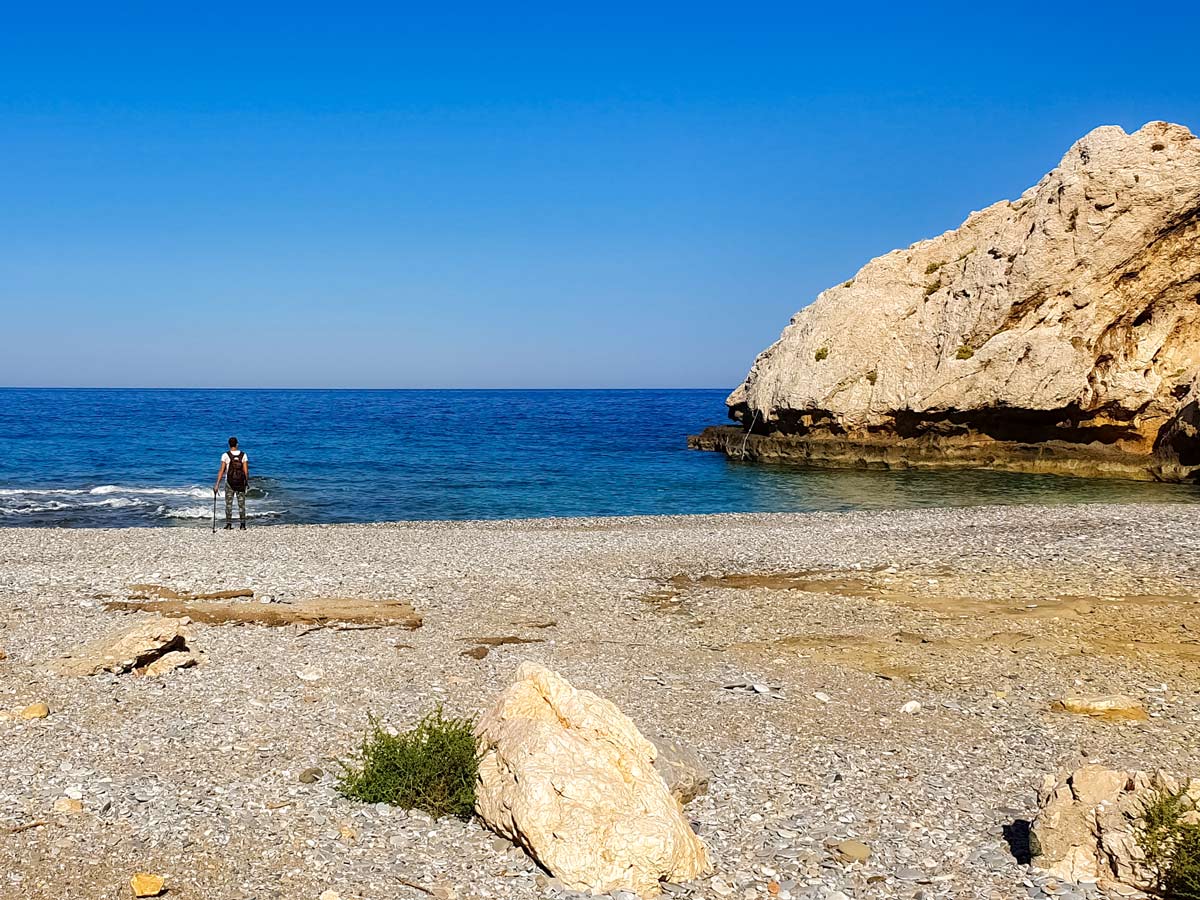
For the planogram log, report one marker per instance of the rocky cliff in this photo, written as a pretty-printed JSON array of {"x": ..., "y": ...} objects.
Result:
[{"x": 1059, "y": 332}]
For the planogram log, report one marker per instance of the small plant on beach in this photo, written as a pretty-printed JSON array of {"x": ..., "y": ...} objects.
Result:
[
  {"x": 1169, "y": 837},
  {"x": 822, "y": 353},
  {"x": 430, "y": 768},
  {"x": 964, "y": 352}
]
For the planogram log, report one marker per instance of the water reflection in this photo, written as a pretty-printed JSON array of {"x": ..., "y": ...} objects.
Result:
[{"x": 776, "y": 486}]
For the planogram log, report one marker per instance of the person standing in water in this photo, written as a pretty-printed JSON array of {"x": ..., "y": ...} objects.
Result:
[{"x": 235, "y": 469}]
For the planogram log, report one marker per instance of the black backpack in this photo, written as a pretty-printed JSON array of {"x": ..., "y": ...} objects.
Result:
[{"x": 235, "y": 476}]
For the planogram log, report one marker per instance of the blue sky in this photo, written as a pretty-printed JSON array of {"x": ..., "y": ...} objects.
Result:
[{"x": 541, "y": 195}]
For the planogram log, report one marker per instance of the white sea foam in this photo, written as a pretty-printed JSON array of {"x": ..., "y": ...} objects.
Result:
[
  {"x": 152, "y": 491},
  {"x": 27, "y": 505},
  {"x": 51, "y": 506},
  {"x": 118, "y": 502},
  {"x": 36, "y": 492},
  {"x": 29, "y": 502},
  {"x": 105, "y": 489},
  {"x": 204, "y": 512},
  {"x": 99, "y": 500}
]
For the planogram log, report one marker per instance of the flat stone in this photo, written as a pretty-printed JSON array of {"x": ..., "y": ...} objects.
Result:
[
  {"x": 130, "y": 648},
  {"x": 852, "y": 851},
  {"x": 1102, "y": 706},
  {"x": 145, "y": 884}
]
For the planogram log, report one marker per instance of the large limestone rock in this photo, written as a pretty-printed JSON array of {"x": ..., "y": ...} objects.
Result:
[
  {"x": 151, "y": 647},
  {"x": 1086, "y": 826},
  {"x": 569, "y": 777},
  {"x": 1059, "y": 332}
]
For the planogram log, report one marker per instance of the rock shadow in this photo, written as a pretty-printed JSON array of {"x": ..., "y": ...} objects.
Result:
[{"x": 1017, "y": 834}]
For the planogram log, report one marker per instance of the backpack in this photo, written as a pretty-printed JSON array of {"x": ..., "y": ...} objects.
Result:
[{"x": 235, "y": 476}]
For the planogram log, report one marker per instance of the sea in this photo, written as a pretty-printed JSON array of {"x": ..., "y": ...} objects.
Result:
[{"x": 130, "y": 458}]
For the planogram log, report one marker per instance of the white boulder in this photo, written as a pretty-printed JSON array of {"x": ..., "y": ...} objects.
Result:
[{"x": 570, "y": 778}]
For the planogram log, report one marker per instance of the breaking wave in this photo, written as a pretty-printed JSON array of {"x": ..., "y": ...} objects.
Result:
[
  {"x": 57, "y": 505},
  {"x": 151, "y": 491},
  {"x": 104, "y": 489},
  {"x": 205, "y": 512},
  {"x": 33, "y": 492},
  {"x": 120, "y": 505}
]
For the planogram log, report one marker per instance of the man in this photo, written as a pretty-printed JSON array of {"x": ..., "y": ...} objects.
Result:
[{"x": 235, "y": 469}]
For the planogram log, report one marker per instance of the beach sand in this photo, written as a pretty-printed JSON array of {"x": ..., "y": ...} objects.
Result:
[{"x": 983, "y": 615}]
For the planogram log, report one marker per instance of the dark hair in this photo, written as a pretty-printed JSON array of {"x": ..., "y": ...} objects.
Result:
[{"x": 233, "y": 442}]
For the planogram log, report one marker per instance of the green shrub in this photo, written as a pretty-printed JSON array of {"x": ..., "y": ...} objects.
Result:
[
  {"x": 822, "y": 353},
  {"x": 872, "y": 376},
  {"x": 849, "y": 283},
  {"x": 964, "y": 352},
  {"x": 1171, "y": 845},
  {"x": 431, "y": 768},
  {"x": 1183, "y": 875},
  {"x": 933, "y": 267}
]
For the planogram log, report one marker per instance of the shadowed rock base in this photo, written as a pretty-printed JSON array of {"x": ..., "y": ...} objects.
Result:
[{"x": 1050, "y": 458}]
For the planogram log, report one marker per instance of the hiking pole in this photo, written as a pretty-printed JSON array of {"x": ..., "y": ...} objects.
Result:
[{"x": 214, "y": 510}]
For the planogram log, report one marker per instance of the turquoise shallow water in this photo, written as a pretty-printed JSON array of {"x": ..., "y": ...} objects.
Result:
[{"x": 149, "y": 457}]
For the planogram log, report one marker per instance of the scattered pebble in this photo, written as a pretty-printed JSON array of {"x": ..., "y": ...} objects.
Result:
[{"x": 204, "y": 776}]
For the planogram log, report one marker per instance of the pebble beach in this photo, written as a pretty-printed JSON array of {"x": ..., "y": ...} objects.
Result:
[{"x": 878, "y": 677}]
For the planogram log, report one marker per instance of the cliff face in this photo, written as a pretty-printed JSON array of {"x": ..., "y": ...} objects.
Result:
[{"x": 1059, "y": 332}]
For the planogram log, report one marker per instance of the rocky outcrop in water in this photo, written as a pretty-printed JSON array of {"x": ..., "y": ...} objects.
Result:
[{"x": 1056, "y": 333}]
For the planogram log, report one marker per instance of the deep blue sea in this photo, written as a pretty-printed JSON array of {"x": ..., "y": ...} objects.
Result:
[{"x": 149, "y": 457}]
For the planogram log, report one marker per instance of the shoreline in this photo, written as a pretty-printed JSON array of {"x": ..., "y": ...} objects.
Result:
[
  {"x": 551, "y": 522},
  {"x": 983, "y": 615}
]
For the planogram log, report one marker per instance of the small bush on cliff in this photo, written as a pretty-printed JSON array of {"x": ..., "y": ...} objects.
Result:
[
  {"x": 849, "y": 283},
  {"x": 872, "y": 376},
  {"x": 431, "y": 768},
  {"x": 933, "y": 267},
  {"x": 964, "y": 352},
  {"x": 821, "y": 353},
  {"x": 1171, "y": 844},
  {"x": 933, "y": 288}
]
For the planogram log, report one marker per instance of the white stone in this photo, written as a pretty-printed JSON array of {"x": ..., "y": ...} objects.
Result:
[{"x": 569, "y": 777}]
